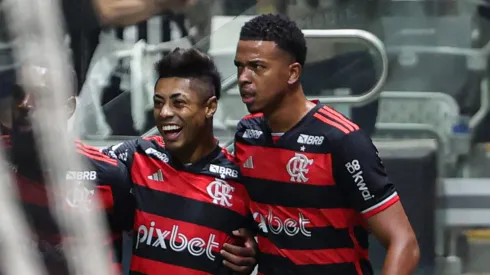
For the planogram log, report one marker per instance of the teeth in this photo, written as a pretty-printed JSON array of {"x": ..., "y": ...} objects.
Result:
[{"x": 170, "y": 127}]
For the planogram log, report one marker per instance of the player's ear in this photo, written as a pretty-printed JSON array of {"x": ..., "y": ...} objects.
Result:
[
  {"x": 211, "y": 106},
  {"x": 294, "y": 73},
  {"x": 71, "y": 105}
]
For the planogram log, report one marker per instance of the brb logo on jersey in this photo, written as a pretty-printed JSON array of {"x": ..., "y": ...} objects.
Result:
[
  {"x": 310, "y": 140},
  {"x": 81, "y": 195},
  {"x": 354, "y": 169},
  {"x": 223, "y": 171},
  {"x": 297, "y": 167},
  {"x": 252, "y": 134},
  {"x": 220, "y": 191},
  {"x": 289, "y": 226},
  {"x": 172, "y": 239}
]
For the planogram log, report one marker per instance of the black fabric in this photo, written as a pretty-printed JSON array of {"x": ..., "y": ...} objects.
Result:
[{"x": 414, "y": 172}]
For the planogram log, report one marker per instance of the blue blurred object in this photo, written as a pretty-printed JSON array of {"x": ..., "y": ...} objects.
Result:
[{"x": 7, "y": 81}]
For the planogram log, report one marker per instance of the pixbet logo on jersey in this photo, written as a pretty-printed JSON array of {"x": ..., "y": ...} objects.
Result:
[
  {"x": 289, "y": 226},
  {"x": 157, "y": 237}
]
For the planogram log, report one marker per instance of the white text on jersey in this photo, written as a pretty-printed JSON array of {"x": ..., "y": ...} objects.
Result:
[
  {"x": 172, "y": 239},
  {"x": 310, "y": 140},
  {"x": 159, "y": 155},
  {"x": 354, "y": 168},
  {"x": 223, "y": 171},
  {"x": 253, "y": 134},
  {"x": 289, "y": 226},
  {"x": 81, "y": 175}
]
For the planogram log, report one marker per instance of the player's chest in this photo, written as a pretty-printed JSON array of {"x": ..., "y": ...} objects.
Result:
[
  {"x": 285, "y": 164},
  {"x": 79, "y": 189},
  {"x": 158, "y": 183}
]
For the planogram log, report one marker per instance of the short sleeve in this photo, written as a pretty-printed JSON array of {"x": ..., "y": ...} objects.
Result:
[
  {"x": 360, "y": 173},
  {"x": 113, "y": 188},
  {"x": 124, "y": 201}
]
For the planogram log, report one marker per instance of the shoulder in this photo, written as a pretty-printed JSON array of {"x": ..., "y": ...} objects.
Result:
[
  {"x": 250, "y": 128},
  {"x": 251, "y": 121},
  {"x": 332, "y": 124},
  {"x": 127, "y": 148},
  {"x": 98, "y": 165}
]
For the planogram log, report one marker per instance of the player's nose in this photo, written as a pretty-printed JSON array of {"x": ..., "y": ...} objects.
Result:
[
  {"x": 244, "y": 77},
  {"x": 166, "y": 112}
]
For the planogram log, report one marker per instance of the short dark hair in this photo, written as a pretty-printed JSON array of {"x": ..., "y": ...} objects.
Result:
[
  {"x": 190, "y": 63},
  {"x": 279, "y": 29}
]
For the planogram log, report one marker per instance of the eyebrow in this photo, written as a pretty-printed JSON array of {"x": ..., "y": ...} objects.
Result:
[
  {"x": 173, "y": 96},
  {"x": 253, "y": 61}
]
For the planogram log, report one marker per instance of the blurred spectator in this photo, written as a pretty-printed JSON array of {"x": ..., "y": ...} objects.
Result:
[
  {"x": 116, "y": 96},
  {"x": 84, "y": 20}
]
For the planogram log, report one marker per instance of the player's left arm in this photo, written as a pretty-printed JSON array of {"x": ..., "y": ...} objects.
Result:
[{"x": 361, "y": 174}]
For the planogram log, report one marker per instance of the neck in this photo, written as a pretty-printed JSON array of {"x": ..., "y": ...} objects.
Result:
[
  {"x": 205, "y": 145},
  {"x": 289, "y": 111}
]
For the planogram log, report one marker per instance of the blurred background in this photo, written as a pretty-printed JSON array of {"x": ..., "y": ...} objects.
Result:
[{"x": 412, "y": 73}]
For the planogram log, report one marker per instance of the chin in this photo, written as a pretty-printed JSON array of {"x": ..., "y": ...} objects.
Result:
[
  {"x": 173, "y": 146},
  {"x": 254, "y": 109}
]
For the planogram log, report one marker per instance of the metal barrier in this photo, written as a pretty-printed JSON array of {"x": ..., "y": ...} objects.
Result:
[{"x": 337, "y": 35}]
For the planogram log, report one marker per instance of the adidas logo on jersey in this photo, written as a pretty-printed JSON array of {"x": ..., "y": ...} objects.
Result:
[
  {"x": 249, "y": 163},
  {"x": 310, "y": 140},
  {"x": 157, "y": 176},
  {"x": 253, "y": 134}
]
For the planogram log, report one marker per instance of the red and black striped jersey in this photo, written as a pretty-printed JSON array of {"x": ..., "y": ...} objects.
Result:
[
  {"x": 311, "y": 191},
  {"x": 101, "y": 176},
  {"x": 185, "y": 213}
]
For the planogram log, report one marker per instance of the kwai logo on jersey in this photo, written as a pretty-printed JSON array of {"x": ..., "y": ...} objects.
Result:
[
  {"x": 310, "y": 140},
  {"x": 159, "y": 155},
  {"x": 290, "y": 226},
  {"x": 297, "y": 167},
  {"x": 220, "y": 191},
  {"x": 178, "y": 242},
  {"x": 252, "y": 134},
  {"x": 354, "y": 169},
  {"x": 223, "y": 171}
]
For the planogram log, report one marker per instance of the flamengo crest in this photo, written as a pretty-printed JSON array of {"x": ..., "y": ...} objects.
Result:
[{"x": 297, "y": 167}]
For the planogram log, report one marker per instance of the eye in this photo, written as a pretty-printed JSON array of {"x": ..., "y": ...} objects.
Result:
[
  {"x": 157, "y": 104},
  {"x": 179, "y": 103}
]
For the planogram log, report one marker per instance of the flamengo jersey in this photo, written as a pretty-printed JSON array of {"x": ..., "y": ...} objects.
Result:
[
  {"x": 103, "y": 177},
  {"x": 312, "y": 191},
  {"x": 185, "y": 213}
]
